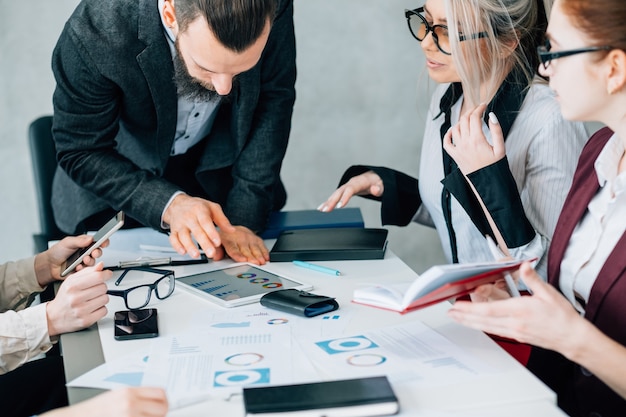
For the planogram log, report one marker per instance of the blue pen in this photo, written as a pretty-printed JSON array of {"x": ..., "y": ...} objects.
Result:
[{"x": 317, "y": 268}]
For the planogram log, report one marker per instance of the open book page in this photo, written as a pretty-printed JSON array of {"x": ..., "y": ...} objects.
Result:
[
  {"x": 389, "y": 296},
  {"x": 439, "y": 275},
  {"x": 436, "y": 284}
]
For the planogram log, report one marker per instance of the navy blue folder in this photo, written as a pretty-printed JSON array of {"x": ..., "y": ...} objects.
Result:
[{"x": 311, "y": 219}]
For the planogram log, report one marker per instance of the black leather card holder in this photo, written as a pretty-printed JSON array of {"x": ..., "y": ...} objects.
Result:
[{"x": 298, "y": 302}]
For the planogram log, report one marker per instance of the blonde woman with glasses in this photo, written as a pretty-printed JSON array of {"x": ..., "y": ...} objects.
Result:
[
  {"x": 578, "y": 321},
  {"x": 481, "y": 51}
]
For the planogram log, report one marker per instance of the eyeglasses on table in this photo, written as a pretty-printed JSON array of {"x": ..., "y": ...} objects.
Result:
[{"x": 139, "y": 296}]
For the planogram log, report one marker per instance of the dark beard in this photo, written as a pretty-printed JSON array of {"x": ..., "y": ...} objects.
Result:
[{"x": 188, "y": 87}]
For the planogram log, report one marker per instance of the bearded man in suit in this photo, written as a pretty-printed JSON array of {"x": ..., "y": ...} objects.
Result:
[{"x": 177, "y": 112}]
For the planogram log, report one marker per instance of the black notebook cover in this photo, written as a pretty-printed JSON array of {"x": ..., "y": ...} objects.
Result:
[
  {"x": 311, "y": 219},
  {"x": 331, "y": 244},
  {"x": 373, "y": 394}
]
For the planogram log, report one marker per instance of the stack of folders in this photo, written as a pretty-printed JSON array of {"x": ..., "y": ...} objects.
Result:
[{"x": 362, "y": 397}]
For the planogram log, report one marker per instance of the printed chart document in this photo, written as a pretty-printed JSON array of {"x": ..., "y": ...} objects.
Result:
[
  {"x": 410, "y": 352},
  {"x": 216, "y": 357},
  {"x": 438, "y": 283},
  {"x": 195, "y": 366},
  {"x": 125, "y": 371}
]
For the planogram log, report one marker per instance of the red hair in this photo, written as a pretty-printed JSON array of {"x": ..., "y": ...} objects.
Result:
[{"x": 602, "y": 20}]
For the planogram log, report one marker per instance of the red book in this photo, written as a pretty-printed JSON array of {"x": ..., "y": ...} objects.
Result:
[{"x": 438, "y": 283}]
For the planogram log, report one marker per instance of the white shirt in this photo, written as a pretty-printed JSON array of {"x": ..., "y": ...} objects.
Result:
[
  {"x": 542, "y": 150},
  {"x": 595, "y": 237}
]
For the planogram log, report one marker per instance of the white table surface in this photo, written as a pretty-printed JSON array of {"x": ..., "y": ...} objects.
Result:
[{"x": 512, "y": 391}]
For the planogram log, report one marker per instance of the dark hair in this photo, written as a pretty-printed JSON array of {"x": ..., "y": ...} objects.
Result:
[
  {"x": 237, "y": 24},
  {"x": 602, "y": 20}
]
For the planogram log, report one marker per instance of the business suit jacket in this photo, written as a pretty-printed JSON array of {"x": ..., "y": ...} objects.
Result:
[
  {"x": 115, "y": 119},
  {"x": 579, "y": 392}
]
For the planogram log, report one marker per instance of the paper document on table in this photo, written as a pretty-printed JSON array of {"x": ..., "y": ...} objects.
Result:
[
  {"x": 216, "y": 358},
  {"x": 218, "y": 363},
  {"x": 126, "y": 371},
  {"x": 256, "y": 316},
  {"x": 407, "y": 352},
  {"x": 300, "y": 328}
]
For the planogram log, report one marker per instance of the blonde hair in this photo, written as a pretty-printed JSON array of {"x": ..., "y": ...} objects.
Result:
[{"x": 514, "y": 29}]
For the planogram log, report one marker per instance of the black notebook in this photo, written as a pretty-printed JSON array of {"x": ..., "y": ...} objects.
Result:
[
  {"x": 330, "y": 244},
  {"x": 371, "y": 396}
]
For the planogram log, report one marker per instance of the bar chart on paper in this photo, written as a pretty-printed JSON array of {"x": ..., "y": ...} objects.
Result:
[{"x": 246, "y": 339}]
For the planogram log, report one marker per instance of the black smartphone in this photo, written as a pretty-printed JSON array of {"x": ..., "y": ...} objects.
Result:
[
  {"x": 98, "y": 239},
  {"x": 136, "y": 324}
]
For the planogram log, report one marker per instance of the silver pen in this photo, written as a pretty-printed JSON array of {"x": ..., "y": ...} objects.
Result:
[
  {"x": 497, "y": 255},
  {"x": 145, "y": 262}
]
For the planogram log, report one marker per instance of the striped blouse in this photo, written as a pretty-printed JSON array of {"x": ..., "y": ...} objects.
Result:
[{"x": 542, "y": 152}]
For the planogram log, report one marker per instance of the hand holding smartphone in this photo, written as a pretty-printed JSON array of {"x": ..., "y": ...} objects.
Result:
[{"x": 98, "y": 239}]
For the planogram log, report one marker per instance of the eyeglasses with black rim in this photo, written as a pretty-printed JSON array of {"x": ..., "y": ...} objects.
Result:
[
  {"x": 139, "y": 296},
  {"x": 545, "y": 56},
  {"x": 419, "y": 27}
]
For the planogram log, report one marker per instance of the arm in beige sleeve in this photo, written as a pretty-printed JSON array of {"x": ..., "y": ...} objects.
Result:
[
  {"x": 23, "y": 334},
  {"x": 18, "y": 283}
]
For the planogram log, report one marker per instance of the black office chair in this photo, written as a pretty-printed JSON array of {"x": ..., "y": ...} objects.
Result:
[
  {"x": 43, "y": 154},
  {"x": 44, "y": 160}
]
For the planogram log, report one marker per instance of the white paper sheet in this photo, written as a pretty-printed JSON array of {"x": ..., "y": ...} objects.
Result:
[
  {"x": 407, "y": 352},
  {"x": 123, "y": 372}
]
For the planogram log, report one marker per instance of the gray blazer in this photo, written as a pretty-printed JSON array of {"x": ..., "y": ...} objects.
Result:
[{"x": 115, "y": 119}]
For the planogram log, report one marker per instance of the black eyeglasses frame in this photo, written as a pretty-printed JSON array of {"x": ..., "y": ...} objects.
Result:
[
  {"x": 545, "y": 56},
  {"x": 418, "y": 12},
  {"x": 153, "y": 287}
]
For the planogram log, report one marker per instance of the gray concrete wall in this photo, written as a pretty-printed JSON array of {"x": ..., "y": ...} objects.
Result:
[{"x": 362, "y": 94}]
